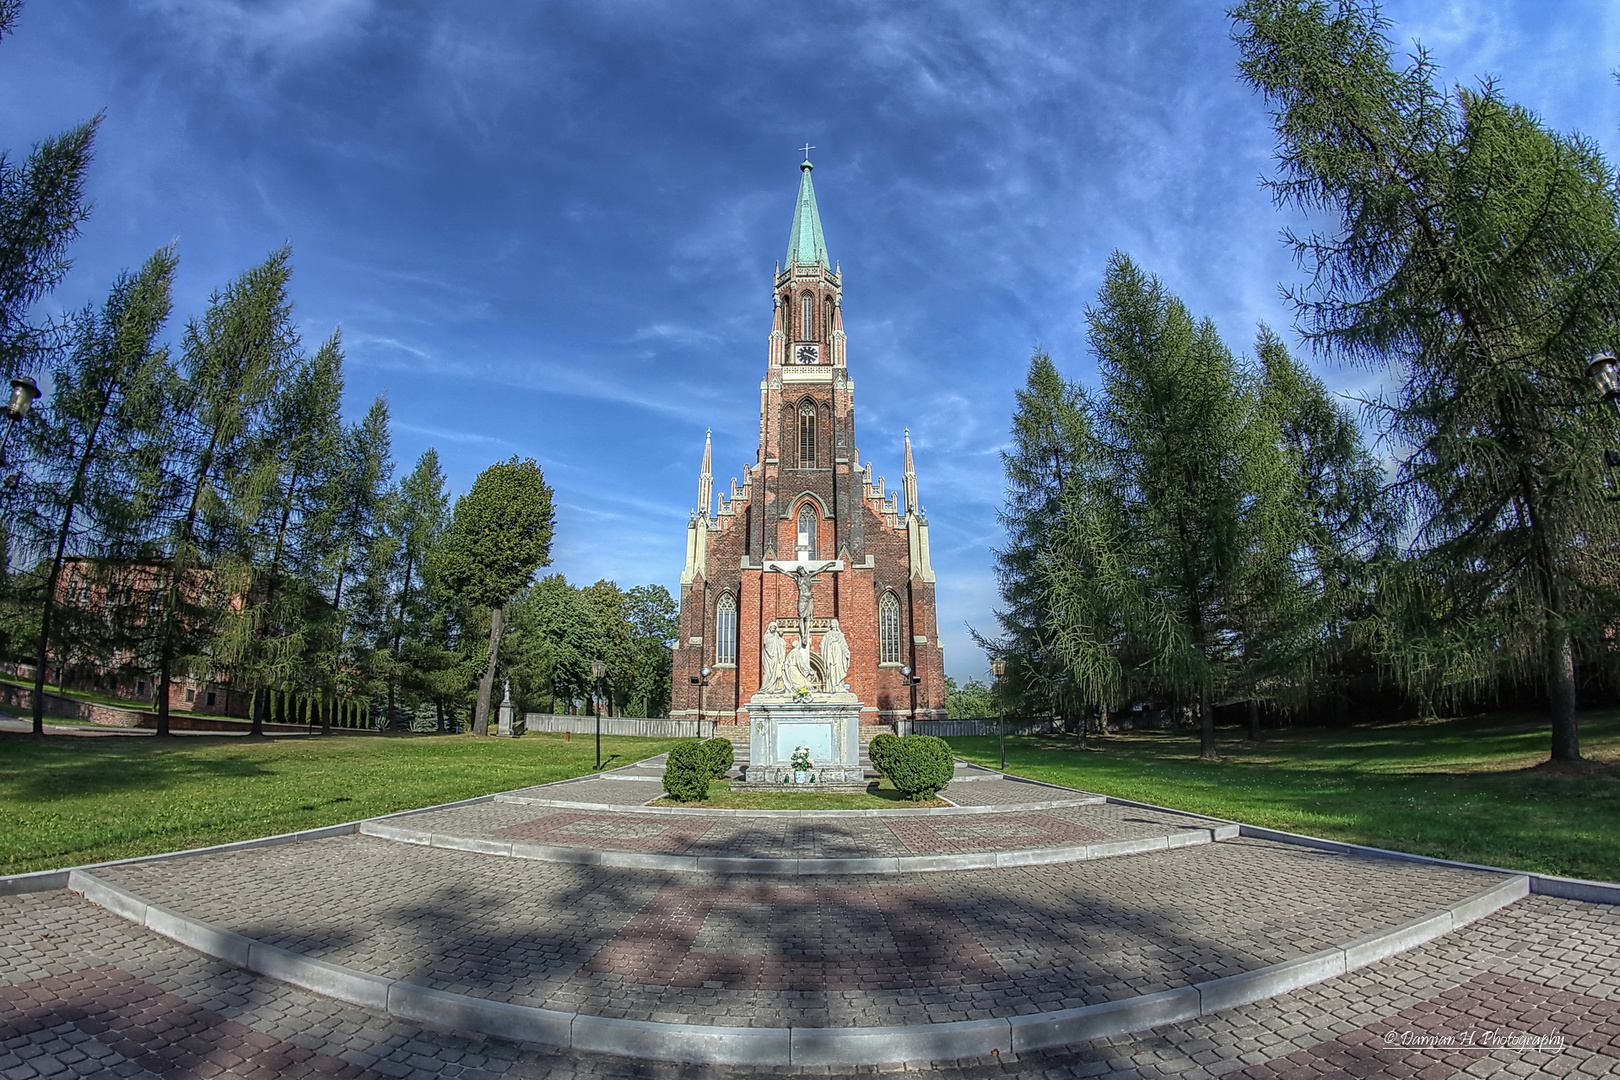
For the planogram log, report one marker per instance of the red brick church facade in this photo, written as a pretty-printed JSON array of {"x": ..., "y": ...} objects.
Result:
[{"x": 808, "y": 498}]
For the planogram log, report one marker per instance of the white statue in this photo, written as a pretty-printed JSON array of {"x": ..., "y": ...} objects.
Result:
[
  {"x": 804, "y": 578},
  {"x": 799, "y": 673},
  {"x": 835, "y": 658},
  {"x": 772, "y": 652}
]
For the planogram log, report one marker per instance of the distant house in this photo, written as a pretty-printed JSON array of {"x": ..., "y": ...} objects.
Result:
[{"x": 117, "y": 597}]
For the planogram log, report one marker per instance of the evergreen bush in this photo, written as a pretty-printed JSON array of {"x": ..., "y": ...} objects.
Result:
[
  {"x": 918, "y": 765},
  {"x": 687, "y": 775},
  {"x": 881, "y": 751},
  {"x": 722, "y": 756}
]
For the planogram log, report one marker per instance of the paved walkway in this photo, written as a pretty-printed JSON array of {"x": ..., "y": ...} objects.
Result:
[
  {"x": 807, "y": 835},
  {"x": 85, "y": 992},
  {"x": 743, "y": 951}
]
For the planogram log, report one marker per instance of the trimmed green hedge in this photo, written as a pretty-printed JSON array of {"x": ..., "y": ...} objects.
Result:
[
  {"x": 687, "y": 775},
  {"x": 722, "y": 756},
  {"x": 881, "y": 750},
  {"x": 919, "y": 766}
]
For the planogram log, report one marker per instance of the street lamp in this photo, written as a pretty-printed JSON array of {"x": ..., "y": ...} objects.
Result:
[
  {"x": 1605, "y": 371},
  {"x": 700, "y": 681},
  {"x": 998, "y": 668},
  {"x": 24, "y": 391},
  {"x": 598, "y": 669},
  {"x": 910, "y": 681}
]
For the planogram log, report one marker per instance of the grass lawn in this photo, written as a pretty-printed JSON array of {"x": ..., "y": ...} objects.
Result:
[
  {"x": 1476, "y": 789},
  {"x": 68, "y": 799},
  {"x": 884, "y": 798}
]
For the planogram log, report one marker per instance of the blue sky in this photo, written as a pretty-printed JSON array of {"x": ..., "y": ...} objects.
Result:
[{"x": 548, "y": 229}]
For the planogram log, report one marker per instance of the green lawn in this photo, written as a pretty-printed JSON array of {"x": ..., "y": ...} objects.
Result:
[
  {"x": 884, "y": 798},
  {"x": 1476, "y": 789},
  {"x": 70, "y": 800}
]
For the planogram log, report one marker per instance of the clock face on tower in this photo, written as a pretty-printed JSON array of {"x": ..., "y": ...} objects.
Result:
[{"x": 807, "y": 354}]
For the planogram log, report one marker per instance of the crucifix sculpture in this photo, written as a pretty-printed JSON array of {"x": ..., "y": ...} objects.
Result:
[{"x": 804, "y": 575}]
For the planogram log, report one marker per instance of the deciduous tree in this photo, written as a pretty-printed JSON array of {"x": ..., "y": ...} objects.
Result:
[{"x": 499, "y": 535}]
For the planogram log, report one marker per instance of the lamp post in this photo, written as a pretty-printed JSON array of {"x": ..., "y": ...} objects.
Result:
[
  {"x": 998, "y": 668},
  {"x": 910, "y": 682},
  {"x": 598, "y": 668},
  {"x": 700, "y": 681},
  {"x": 23, "y": 393}
]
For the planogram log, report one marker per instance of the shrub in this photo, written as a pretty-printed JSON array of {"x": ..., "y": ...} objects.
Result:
[
  {"x": 881, "y": 751},
  {"x": 919, "y": 766},
  {"x": 721, "y": 756},
  {"x": 687, "y": 775}
]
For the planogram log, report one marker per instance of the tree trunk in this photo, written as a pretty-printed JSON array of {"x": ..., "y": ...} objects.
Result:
[
  {"x": 163, "y": 692},
  {"x": 1206, "y": 727},
  {"x": 487, "y": 684},
  {"x": 1566, "y": 733},
  {"x": 326, "y": 714},
  {"x": 1254, "y": 720}
]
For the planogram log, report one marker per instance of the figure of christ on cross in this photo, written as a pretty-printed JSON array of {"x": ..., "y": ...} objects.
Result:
[{"x": 804, "y": 576}]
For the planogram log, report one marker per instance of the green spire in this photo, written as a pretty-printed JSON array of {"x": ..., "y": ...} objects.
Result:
[{"x": 805, "y": 243}]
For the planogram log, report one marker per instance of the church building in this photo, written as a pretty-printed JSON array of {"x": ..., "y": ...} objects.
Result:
[{"x": 807, "y": 503}]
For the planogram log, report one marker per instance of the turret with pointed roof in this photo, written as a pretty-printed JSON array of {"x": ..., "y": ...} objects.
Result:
[
  {"x": 806, "y": 245},
  {"x": 706, "y": 477}
]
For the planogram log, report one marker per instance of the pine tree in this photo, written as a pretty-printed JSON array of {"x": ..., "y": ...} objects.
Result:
[
  {"x": 1050, "y": 436},
  {"x": 100, "y": 398},
  {"x": 42, "y": 206},
  {"x": 1175, "y": 539},
  {"x": 418, "y": 516},
  {"x": 268, "y": 637},
  {"x": 1346, "y": 521},
  {"x": 357, "y": 509},
  {"x": 233, "y": 360},
  {"x": 1473, "y": 254}
]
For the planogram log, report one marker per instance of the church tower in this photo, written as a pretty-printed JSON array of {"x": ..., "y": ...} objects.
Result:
[{"x": 807, "y": 500}]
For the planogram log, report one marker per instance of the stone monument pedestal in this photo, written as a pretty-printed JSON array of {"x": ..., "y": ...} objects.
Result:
[{"x": 829, "y": 724}]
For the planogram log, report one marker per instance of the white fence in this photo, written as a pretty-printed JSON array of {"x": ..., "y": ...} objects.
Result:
[
  {"x": 614, "y": 725},
  {"x": 948, "y": 728}
]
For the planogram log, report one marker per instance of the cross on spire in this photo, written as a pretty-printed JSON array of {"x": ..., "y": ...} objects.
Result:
[{"x": 805, "y": 150}]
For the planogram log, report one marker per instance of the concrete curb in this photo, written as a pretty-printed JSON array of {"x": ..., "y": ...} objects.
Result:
[
  {"x": 709, "y": 864},
  {"x": 701, "y": 1044},
  {"x": 1081, "y": 799},
  {"x": 1592, "y": 892}
]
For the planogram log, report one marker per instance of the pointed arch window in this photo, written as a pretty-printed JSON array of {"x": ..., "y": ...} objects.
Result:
[
  {"x": 889, "y": 629},
  {"x": 806, "y": 546},
  {"x": 807, "y": 317},
  {"x": 807, "y": 436},
  {"x": 725, "y": 629}
]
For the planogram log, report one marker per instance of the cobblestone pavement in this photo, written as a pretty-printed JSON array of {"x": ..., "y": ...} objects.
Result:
[
  {"x": 740, "y": 951},
  {"x": 636, "y": 787},
  {"x": 800, "y": 836},
  {"x": 83, "y": 993}
]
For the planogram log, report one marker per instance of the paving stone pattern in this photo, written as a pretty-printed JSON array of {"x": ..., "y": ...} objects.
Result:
[
  {"x": 1059, "y": 936},
  {"x": 88, "y": 994},
  {"x": 804, "y": 836},
  {"x": 976, "y": 790}
]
